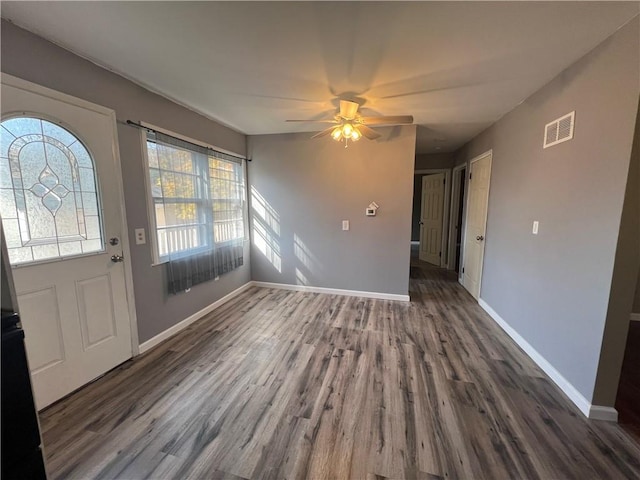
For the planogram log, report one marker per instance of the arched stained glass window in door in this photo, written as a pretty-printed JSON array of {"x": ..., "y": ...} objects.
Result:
[{"x": 48, "y": 195}]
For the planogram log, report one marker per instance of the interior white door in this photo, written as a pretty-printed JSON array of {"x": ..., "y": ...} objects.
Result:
[
  {"x": 478, "y": 199},
  {"x": 431, "y": 213},
  {"x": 61, "y": 213}
]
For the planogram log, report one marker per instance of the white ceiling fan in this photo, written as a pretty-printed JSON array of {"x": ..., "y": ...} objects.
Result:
[{"x": 348, "y": 124}]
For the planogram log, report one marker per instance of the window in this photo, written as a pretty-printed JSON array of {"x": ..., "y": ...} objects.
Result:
[
  {"x": 197, "y": 197},
  {"x": 48, "y": 196}
]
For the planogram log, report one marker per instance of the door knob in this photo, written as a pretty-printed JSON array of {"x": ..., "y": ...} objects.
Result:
[
  {"x": 117, "y": 258},
  {"x": 479, "y": 238},
  {"x": 421, "y": 222}
]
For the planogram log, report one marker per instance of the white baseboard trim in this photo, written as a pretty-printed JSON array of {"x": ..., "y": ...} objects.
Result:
[
  {"x": 590, "y": 411},
  {"x": 635, "y": 317},
  {"x": 608, "y": 414},
  {"x": 171, "y": 331},
  {"x": 333, "y": 291}
]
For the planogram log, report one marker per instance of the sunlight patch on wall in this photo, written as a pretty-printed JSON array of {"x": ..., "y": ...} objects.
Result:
[
  {"x": 266, "y": 229},
  {"x": 304, "y": 255},
  {"x": 266, "y": 212},
  {"x": 267, "y": 244},
  {"x": 300, "y": 278}
]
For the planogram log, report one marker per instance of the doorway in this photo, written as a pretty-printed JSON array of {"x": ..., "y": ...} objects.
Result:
[
  {"x": 476, "y": 223},
  {"x": 431, "y": 218},
  {"x": 65, "y": 236},
  {"x": 456, "y": 231},
  {"x": 431, "y": 244},
  {"x": 628, "y": 396}
]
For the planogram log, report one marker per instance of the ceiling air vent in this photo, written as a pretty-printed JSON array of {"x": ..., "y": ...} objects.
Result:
[{"x": 560, "y": 130}]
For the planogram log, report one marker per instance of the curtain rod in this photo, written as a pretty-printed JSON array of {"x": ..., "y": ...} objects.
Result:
[{"x": 138, "y": 125}]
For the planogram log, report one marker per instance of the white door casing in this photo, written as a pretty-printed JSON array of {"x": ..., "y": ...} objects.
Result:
[
  {"x": 75, "y": 310},
  {"x": 476, "y": 222},
  {"x": 431, "y": 218}
]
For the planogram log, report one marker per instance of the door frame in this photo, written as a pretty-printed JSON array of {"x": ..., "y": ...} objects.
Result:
[
  {"x": 19, "y": 83},
  {"x": 445, "y": 209},
  {"x": 455, "y": 193},
  {"x": 466, "y": 216}
]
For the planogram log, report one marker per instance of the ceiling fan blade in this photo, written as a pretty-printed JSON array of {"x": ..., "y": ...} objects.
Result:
[
  {"x": 391, "y": 120},
  {"x": 323, "y": 133},
  {"x": 368, "y": 132},
  {"x": 348, "y": 109},
  {"x": 313, "y": 121}
]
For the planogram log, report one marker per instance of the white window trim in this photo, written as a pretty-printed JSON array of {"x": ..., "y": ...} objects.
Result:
[
  {"x": 151, "y": 210},
  {"x": 151, "y": 226}
]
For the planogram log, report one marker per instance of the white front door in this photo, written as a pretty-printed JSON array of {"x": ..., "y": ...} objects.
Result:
[
  {"x": 478, "y": 199},
  {"x": 431, "y": 212},
  {"x": 61, "y": 211}
]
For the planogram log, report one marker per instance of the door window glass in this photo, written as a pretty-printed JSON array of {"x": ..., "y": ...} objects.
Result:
[{"x": 48, "y": 195}]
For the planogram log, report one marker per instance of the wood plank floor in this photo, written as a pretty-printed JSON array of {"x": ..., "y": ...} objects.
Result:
[{"x": 282, "y": 384}]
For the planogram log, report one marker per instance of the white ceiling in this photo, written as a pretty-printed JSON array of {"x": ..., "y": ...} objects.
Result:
[{"x": 455, "y": 66}]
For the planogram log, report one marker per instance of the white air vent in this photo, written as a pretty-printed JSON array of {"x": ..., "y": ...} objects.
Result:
[{"x": 560, "y": 130}]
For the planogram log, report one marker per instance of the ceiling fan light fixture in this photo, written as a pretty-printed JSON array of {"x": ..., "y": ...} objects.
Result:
[{"x": 348, "y": 124}]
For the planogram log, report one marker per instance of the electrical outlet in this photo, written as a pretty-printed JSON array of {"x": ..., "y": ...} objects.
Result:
[
  {"x": 534, "y": 230},
  {"x": 141, "y": 237},
  {"x": 345, "y": 224}
]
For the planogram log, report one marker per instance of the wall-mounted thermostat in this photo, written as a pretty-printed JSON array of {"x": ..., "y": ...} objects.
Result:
[{"x": 370, "y": 211}]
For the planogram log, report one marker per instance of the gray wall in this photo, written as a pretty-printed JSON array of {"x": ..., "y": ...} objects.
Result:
[
  {"x": 553, "y": 288},
  {"x": 310, "y": 186},
  {"x": 7, "y": 301},
  {"x": 425, "y": 162},
  {"x": 32, "y": 58}
]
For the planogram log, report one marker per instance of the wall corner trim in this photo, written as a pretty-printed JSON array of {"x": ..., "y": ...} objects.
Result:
[
  {"x": 333, "y": 291},
  {"x": 171, "y": 331},
  {"x": 590, "y": 411},
  {"x": 635, "y": 317},
  {"x": 598, "y": 412}
]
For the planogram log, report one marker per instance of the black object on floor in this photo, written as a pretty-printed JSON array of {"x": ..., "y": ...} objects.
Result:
[{"x": 21, "y": 452}]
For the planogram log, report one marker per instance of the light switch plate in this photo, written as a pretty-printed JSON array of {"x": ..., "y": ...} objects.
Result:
[
  {"x": 141, "y": 237},
  {"x": 534, "y": 230},
  {"x": 345, "y": 224}
]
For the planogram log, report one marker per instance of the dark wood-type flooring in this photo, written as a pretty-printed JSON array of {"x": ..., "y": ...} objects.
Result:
[
  {"x": 628, "y": 400},
  {"x": 283, "y": 384}
]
